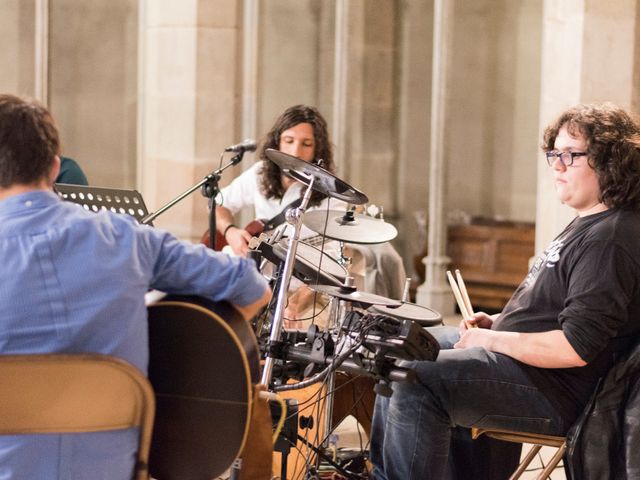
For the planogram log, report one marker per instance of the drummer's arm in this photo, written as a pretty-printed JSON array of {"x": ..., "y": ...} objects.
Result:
[
  {"x": 236, "y": 237},
  {"x": 298, "y": 302},
  {"x": 251, "y": 310}
]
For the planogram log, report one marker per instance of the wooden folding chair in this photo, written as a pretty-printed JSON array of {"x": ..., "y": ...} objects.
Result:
[
  {"x": 536, "y": 440},
  {"x": 74, "y": 393}
]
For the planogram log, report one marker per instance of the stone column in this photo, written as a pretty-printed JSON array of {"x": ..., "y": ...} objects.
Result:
[
  {"x": 587, "y": 56},
  {"x": 17, "y": 56},
  {"x": 340, "y": 77},
  {"x": 189, "y": 94},
  {"x": 435, "y": 292},
  {"x": 250, "y": 29},
  {"x": 41, "y": 43},
  {"x": 414, "y": 106}
]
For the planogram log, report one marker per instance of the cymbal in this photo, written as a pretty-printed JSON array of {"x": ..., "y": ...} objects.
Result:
[
  {"x": 324, "y": 181},
  {"x": 352, "y": 295},
  {"x": 349, "y": 226},
  {"x": 424, "y": 316}
]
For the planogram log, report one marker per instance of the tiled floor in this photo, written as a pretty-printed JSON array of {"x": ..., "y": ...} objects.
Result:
[{"x": 538, "y": 464}]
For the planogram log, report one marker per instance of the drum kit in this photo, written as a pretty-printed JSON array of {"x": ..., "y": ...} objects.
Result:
[
  {"x": 390, "y": 329},
  {"x": 322, "y": 273}
]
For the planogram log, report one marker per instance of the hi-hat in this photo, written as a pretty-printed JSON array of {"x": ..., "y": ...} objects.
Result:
[
  {"x": 349, "y": 227},
  {"x": 352, "y": 295},
  {"x": 324, "y": 181}
]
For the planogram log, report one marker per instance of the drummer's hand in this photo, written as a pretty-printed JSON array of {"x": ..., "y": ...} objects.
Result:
[
  {"x": 479, "y": 319},
  {"x": 238, "y": 240},
  {"x": 299, "y": 302}
]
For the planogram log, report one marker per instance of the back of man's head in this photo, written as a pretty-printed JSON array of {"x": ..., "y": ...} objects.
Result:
[{"x": 28, "y": 141}]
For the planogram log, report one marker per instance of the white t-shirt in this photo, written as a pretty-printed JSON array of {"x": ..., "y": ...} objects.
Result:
[{"x": 245, "y": 191}]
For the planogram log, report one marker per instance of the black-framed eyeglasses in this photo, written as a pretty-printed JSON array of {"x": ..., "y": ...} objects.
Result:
[{"x": 566, "y": 158}]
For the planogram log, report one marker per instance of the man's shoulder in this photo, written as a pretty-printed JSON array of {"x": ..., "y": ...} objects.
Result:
[
  {"x": 618, "y": 223},
  {"x": 619, "y": 228}
]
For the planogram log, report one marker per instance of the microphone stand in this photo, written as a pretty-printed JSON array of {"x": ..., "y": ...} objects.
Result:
[{"x": 210, "y": 189}]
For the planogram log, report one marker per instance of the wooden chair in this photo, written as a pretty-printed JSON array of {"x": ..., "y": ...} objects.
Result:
[
  {"x": 74, "y": 393},
  {"x": 537, "y": 440}
]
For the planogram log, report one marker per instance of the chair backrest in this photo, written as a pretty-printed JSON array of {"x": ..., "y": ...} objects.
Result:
[{"x": 74, "y": 393}]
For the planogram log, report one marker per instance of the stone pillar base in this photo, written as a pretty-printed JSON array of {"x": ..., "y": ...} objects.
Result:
[
  {"x": 436, "y": 297},
  {"x": 435, "y": 292}
]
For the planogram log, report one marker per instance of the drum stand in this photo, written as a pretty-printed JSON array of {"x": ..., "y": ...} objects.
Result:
[
  {"x": 294, "y": 217},
  {"x": 335, "y": 309},
  {"x": 342, "y": 259}
]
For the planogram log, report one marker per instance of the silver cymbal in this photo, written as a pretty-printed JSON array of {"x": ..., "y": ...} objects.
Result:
[
  {"x": 352, "y": 295},
  {"x": 349, "y": 227},
  {"x": 411, "y": 311},
  {"x": 324, "y": 181}
]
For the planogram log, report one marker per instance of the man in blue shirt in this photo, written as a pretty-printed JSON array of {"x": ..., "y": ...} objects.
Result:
[{"x": 74, "y": 281}]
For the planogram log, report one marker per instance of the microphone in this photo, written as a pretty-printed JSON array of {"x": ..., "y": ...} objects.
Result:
[{"x": 247, "y": 145}]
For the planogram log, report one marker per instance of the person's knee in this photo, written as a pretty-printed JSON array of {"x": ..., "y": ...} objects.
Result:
[{"x": 445, "y": 335}]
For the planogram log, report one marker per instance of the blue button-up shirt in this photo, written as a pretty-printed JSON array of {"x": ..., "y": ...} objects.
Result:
[{"x": 74, "y": 281}]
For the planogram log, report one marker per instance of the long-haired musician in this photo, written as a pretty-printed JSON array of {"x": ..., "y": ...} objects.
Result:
[{"x": 301, "y": 131}]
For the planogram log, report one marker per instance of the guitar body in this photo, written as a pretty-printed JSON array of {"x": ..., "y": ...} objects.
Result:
[
  {"x": 255, "y": 228},
  {"x": 203, "y": 363}
]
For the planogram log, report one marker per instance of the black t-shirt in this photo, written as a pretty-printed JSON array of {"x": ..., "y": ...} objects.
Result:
[{"x": 587, "y": 283}]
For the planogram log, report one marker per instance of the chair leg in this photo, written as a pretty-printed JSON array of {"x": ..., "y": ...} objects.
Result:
[
  {"x": 553, "y": 463},
  {"x": 525, "y": 463}
]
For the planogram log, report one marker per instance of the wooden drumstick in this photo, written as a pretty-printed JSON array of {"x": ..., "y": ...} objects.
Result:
[
  {"x": 465, "y": 297},
  {"x": 463, "y": 292},
  {"x": 458, "y": 295}
]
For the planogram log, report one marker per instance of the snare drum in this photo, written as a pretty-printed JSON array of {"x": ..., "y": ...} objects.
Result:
[
  {"x": 410, "y": 311},
  {"x": 312, "y": 265}
]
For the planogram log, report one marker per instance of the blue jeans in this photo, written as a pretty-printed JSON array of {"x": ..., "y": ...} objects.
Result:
[{"x": 412, "y": 431}]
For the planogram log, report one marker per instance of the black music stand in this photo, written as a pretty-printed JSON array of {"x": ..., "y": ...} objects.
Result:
[{"x": 94, "y": 199}]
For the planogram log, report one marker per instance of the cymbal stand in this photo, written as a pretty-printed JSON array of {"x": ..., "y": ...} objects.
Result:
[
  {"x": 294, "y": 217},
  {"x": 342, "y": 259},
  {"x": 335, "y": 313}
]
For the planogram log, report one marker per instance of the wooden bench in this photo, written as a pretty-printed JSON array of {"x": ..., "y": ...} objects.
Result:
[{"x": 493, "y": 257}]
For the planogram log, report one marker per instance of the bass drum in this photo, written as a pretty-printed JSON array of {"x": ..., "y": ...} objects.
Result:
[{"x": 353, "y": 395}]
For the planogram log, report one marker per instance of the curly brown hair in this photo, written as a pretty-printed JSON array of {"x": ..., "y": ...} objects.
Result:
[
  {"x": 271, "y": 180},
  {"x": 29, "y": 141},
  {"x": 613, "y": 145}
]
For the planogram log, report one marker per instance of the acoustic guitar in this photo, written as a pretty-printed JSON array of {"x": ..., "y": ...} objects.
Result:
[
  {"x": 255, "y": 228},
  {"x": 203, "y": 362}
]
